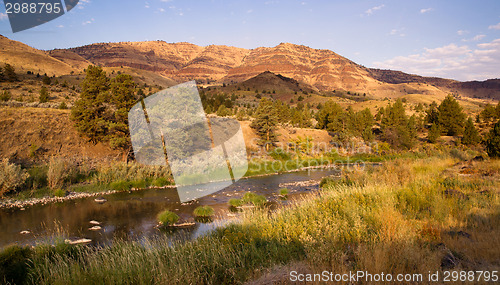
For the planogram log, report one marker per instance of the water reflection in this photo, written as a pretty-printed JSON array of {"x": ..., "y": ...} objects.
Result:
[{"x": 133, "y": 215}]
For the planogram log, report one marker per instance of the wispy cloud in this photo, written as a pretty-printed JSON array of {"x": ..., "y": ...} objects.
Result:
[
  {"x": 373, "y": 9},
  {"x": 474, "y": 39},
  {"x": 478, "y": 62},
  {"x": 3, "y": 16},
  {"x": 161, "y": 10},
  {"x": 60, "y": 26},
  {"x": 494, "y": 27},
  {"x": 423, "y": 11},
  {"x": 397, "y": 32},
  {"x": 146, "y": 5},
  {"x": 88, "y": 22},
  {"x": 82, "y": 4},
  {"x": 462, "y": 32}
]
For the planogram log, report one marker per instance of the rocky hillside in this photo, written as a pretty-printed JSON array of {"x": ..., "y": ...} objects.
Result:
[{"x": 323, "y": 70}]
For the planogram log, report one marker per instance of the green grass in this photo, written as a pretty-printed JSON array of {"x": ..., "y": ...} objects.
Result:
[
  {"x": 204, "y": 211},
  {"x": 167, "y": 218}
]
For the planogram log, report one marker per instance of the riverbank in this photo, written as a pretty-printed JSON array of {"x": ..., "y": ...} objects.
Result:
[
  {"x": 19, "y": 203},
  {"x": 409, "y": 216}
]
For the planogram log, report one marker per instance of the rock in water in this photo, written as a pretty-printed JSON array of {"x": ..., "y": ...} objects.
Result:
[
  {"x": 101, "y": 200},
  {"x": 93, "y": 222},
  {"x": 95, "y": 228},
  {"x": 78, "y": 241}
]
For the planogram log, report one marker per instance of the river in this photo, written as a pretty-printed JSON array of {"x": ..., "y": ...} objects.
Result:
[{"x": 132, "y": 215}]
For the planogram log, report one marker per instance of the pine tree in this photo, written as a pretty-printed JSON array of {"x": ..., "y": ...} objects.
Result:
[
  {"x": 101, "y": 112},
  {"x": 450, "y": 116},
  {"x": 434, "y": 133},
  {"x": 265, "y": 123},
  {"x": 493, "y": 142},
  {"x": 431, "y": 116},
  {"x": 10, "y": 73},
  {"x": 44, "y": 95},
  {"x": 471, "y": 135},
  {"x": 396, "y": 128}
]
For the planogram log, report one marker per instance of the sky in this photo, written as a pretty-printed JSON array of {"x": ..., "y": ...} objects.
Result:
[{"x": 454, "y": 39}]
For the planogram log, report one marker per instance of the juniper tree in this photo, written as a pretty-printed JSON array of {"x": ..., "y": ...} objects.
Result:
[
  {"x": 451, "y": 117},
  {"x": 265, "y": 123},
  {"x": 471, "y": 135},
  {"x": 493, "y": 142}
]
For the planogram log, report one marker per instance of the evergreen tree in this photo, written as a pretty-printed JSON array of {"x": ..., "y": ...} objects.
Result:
[
  {"x": 46, "y": 80},
  {"x": 265, "y": 123},
  {"x": 493, "y": 142},
  {"x": 396, "y": 128},
  {"x": 432, "y": 113},
  {"x": 471, "y": 135},
  {"x": 101, "y": 112},
  {"x": 434, "y": 133},
  {"x": 450, "y": 116},
  {"x": 2, "y": 77},
  {"x": 10, "y": 73},
  {"x": 43, "y": 95}
]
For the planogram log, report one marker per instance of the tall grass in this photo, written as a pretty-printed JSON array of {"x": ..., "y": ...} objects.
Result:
[{"x": 392, "y": 219}]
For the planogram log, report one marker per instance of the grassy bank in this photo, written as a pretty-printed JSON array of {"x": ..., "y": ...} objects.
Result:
[{"x": 408, "y": 216}]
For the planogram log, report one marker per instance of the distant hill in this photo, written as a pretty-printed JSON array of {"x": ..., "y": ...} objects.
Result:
[{"x": 322, "y": 70}]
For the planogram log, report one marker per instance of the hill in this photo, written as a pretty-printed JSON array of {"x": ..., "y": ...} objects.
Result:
[{"x": 164, "y": 64}]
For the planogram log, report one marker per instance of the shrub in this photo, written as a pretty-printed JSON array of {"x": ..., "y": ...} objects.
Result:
[
  {"x": 259, "y": 201},
  {"x": 327, "y": 180},
  {"x": 493, "y": 142},
  {"x": 120, "y": 185},
  {"x": 248, "y": 197},
  {"x": 11, "y": 176},
  {"x": 59, "y": 193},
  {"x": 5, "y": 96},
  {"x": 44, "y": 95},
  {"x": 284, "y": 191},
  {"x": 279, "y": 154},
  {"x": 14, "y": 264},
  {"x": 204, "y": 211},
  {"x": 167, "y": 218},
  {"x": 235, "y": 202},
  {"x": 57, "y": 173},
  {"x": 160, "y": 181},
  {"x": 139, "y": 184},
  {"x": 63, "y": 106}
]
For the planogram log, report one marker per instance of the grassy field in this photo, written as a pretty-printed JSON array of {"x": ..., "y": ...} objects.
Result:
[{"x": 411, "y": 215}]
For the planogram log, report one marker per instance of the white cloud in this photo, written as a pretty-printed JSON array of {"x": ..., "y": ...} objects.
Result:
[
  {"x": 161, "y": 10},
  {"x": 88, "y": 22},
  {"x": 462, "y": 32},
  {"x": 60, "y": 26},
  {"x": 478, "y": 62},
  {"x": 373, "y": 9},
  {"x": 474, "y": 39},
  {"x": 83, "y": 3},
  {"x": 423, "y": 11},
  {"x": 3, "y": 16},
  {"x": 494, "y": 27},
  {"x": 249, "y": 11},
  {"x": 397, "y": 32}
]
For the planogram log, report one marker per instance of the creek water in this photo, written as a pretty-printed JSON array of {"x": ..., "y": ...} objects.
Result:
[{"x": 132, "y": 215}]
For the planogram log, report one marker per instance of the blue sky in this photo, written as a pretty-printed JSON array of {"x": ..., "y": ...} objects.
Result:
[{"x": 451, "y": 39}]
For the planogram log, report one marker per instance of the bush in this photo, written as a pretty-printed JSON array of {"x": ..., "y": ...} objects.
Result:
[
  {"x": 139, "y": 184},
  {"x": 284, "y": 191},
  {"x": 14, "y": 265},
  {"x": 204, "y": 211},
  {"x": 493, "y": 142},
  {"x": 248, "y": 197},
  {"x": 57, "y": 173},
  {"x": 167, "y": 218},
  {"x": 160, "y": 182},
  {"x": 327, "y": 180},
  {"x": 63, "y": 106},
  {"x": 11, "y": 176},
  {"x": 44, "y": 95},
  {"x": 5, "y": 96},
  {"x": 235, "y": 202},
  {"x": 279, "y": 154},
  {"x": 59, "y": 193},
  {"x": 120, "y": 185}
]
